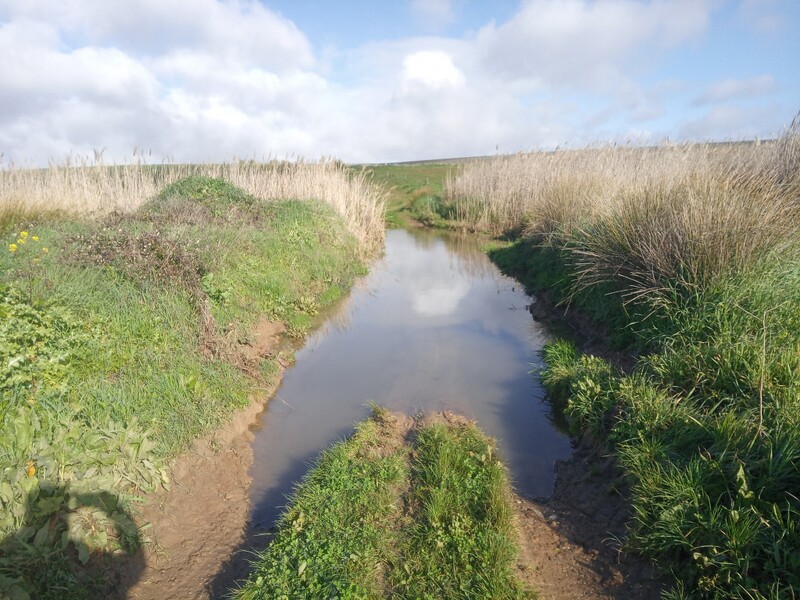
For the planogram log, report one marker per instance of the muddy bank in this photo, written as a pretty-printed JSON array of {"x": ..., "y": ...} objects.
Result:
[
  {"x": 570, "y": 543},
  {"x": 189, "y": 529}
]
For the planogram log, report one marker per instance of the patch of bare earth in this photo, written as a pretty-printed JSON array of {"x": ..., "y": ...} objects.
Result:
[
  {"x": 570, "y": 542},
  {"x": 202, "y": 518}
]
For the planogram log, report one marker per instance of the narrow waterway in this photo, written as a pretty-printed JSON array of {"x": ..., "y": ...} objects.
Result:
[{"x": 435, "y": 326}]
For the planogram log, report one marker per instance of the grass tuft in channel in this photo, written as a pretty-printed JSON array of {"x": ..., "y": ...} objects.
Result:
[
  {"x": 459, "y": 543},
  {"x": 393, "y": 514}
]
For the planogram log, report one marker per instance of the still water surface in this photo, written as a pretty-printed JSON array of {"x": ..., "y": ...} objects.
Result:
[{"x": 434, "y": 326}]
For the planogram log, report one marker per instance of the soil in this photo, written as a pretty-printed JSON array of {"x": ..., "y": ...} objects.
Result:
[{"x": 569, "y": 543}]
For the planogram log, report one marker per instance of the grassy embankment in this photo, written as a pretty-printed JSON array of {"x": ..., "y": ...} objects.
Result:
[
  {"x": 419, "y": 513},
  {"x": 693, "y": 253},
  {"x": 123, "y": 336}
]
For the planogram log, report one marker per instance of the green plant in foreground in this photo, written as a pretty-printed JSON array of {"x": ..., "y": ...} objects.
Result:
[{"x": 708, "y": 432}]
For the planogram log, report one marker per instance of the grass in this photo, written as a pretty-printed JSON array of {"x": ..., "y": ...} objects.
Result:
[
  {"x": 389, "y": 513},
  {"x": 459, "y": 543},
  {"x": 92, "y": 190},
  {"x": 413, "y": 191},
  {"x": 692, "y": 252},
  {"x": 125, "y": 338}
]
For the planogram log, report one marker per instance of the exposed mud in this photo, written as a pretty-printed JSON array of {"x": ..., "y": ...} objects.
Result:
[{"x": 570, "y": 543}]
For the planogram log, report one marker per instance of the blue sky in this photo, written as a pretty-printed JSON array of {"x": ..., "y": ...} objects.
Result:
[{"x": 210, "y": 80}]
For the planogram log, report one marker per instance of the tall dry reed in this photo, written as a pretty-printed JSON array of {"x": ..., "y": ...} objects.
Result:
[
  {"x": 94, "y": 190},
  {"x": 645, "y": 218}
]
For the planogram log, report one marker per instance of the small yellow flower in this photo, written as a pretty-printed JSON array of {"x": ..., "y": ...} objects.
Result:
[
  {"x": 45, "y": 250},
  {"x": 12, "y": 247},
  {"x": 35, "y": 238},
  {"x": 21, "y": 241},
  {"x": 31, "y": 469},
  {"x": 23, "y": 234}
]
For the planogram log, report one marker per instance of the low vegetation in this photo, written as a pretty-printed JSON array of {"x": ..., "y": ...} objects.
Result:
[
  {"x": 414, "y": 192},
  {"x": 123, "y": 338},
  {"x": 395, "y": 512},
  {"x": 691, "y": 254}
]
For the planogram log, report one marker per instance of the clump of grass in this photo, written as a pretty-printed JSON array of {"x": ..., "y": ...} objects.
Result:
[
  {"x": 346, "y": 535},
  {"x": 648, "y": 220},
  {"x": 336, "y": 537},
  {"x": 708, "y": 431}
]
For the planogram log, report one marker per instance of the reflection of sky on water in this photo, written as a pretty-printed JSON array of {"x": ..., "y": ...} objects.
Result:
[{"x": 434, "y": 326}]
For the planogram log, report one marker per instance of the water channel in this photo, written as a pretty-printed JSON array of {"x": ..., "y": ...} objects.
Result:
[{"x": 434, "y": 326}]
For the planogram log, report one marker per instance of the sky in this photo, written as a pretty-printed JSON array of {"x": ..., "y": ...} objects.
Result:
[{"x": 389, "y": 80}]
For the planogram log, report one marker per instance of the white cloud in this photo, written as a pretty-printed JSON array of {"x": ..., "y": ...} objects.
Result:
[
  {"x": 730, "y": 89},
  {"x": 569, "y": 42},
  {"x": 730, "y": 123},
  {"x": 190, "y": 79},
  {"x": 198, "y": 80},
  {"x": 763, "y": 15},
  {"x": 431, "y": 69},
  {"x": 439, "y": 300}
]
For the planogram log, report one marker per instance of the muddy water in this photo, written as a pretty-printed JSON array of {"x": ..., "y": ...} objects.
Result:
[{"x": 434, "y": 326}]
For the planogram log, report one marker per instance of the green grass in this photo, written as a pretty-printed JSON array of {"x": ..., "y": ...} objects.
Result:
[
  {"x": 415, "y": 191},
  {"x": 459, "y": 543},
  {"x": 124, "y": 341},
  {"x": 337, "y": 536},
  {"x": 708, "y": 431},
  {"x": 427, "y": 516}
]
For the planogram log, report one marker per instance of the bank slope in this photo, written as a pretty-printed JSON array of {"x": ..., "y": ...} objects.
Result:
[{"x": 122, "y": 340}]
